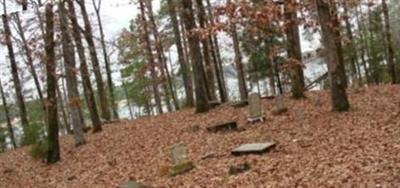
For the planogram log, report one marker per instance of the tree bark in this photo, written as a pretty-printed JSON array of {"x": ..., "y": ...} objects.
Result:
[
  {"x": 87, "y": 86},
  {"x": 331, "y": 36},
  {"x": 150, "y": 58},
  {"x": 14, "y": 72},
  {"x": 53, "y": 152},
  {"x": 7, "y": 113},
  {"x": 107, "y": 62},
  {"x": 104, "y": 105},
  {"x": 294, "y": 49},
  {"x": 194, "y": 46},
  {"x": 186, "y": 76},
  {"x": 74, "y": 103},
  {"x": 210, "y": 78},
  {"x": 238, "y": 59},
  {"x": 389, "y": 43}
]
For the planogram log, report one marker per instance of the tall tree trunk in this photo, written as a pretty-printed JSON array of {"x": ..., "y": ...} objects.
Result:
[
  {"x": 186, "y": 76},
  {"x": 29, "y": 58},
  {"x": 294, "y": 49},
  {"x": 373, "y": 60},
  {"x": 198, "y": 69},
  {"x": 217, "y": 54},
  {"x": 53, "y": 152},
  {"x": 364, "y": 48},
  {"x": 62, "y": 115},
  {"x": 331, "y": 36},
  {"x": 150, "y": 58},
  {"x": 87, "y": 86},
  {"x": 238, "y": 58},
  {"x": 74, "y": 103},
  {"x": 14, "y": 72},
  {"x": 107, "y": 62},
  {"x": 7, "y": 114},
  {"x": 168, "y": 89},
  {"x": 104, "y": 105},
  {"x": 210, "y": 78},
  {"x": 388, "y": 34},
  {"x": 351, "y": 45}
]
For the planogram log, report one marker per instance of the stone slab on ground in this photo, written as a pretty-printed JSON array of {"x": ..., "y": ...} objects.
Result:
[
  {"x": 132, "y": 184},
  {"x": 254, "y": 148},
  {"x": 231, "y": 126}
]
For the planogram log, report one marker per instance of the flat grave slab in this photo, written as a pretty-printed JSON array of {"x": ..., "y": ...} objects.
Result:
[
  {"x": 231, "y": 126},
  {"x": 254, "y": 148}
]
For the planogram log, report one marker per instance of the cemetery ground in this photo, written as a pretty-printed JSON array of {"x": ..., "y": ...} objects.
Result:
[{"x": 315, "y": 148}]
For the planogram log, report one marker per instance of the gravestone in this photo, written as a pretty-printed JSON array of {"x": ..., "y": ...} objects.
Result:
[
  {"x": 255, "y": 109},
  {"x": 180, "y": 160},
  {"x": 279, "y": 106},
  {"x": 230, "y": 126},
  {"x": 240, "y": 168},
  {"x": 255, "y": 148},
  {"x": 240, "y": 104}
]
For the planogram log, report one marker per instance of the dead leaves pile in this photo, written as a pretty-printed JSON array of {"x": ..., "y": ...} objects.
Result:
[{"x": 316, "y": 148}]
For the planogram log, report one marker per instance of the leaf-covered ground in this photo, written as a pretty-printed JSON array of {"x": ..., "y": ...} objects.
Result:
[{"x": 316, "y": 148}]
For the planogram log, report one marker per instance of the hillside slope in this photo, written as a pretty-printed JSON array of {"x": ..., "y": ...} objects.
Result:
[{"x": 316, "y": 148}]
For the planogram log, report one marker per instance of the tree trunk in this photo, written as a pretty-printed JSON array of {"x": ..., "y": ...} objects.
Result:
[
  {"x": 238, "y": 59},
  {"x": 28, "y": 54},
  {"x": 388, "y": 34},
  {"x": 87, "y": 86},
  {"x": 127, "y": 99},
  {"x": 194, "y": 46},
  {"x": 150, "y": 58},
  {"x": 351, "y": 45},
  {"x": 186, "y": 76},
  {"x": 74, "y": 103},
  {"x": 7, "y": 113},
  {"x": 53, "y": 152},
  {"x": 210, "y": 78},
  {"x": 104, "y": 105},
  {"x": 294, "y": 49},
  {"x": 107, "y": 62},
  {"x": 14, "y": 72},
  {"x": 331, "y": 36},
  {"x": 364, "y": 49}
]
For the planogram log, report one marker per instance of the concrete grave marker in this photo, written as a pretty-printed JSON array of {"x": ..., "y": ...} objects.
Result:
[
  {"x": 279, "y": 106},
  {"x": 255, "y": 109},
  {"x": 255, "y": 148},
  {"x": 231, "y": 126},
  {"x": 180, "y": 160}
]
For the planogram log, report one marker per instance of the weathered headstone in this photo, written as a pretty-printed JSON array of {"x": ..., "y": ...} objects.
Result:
[
  {"x": 230, "y": 126},
  {"x": 214, "y": 104},
  {"x": 132, "y": 184},
  {"x": 180, "y": 160},
  {"x": 279, "y": 106},
  {"x": 240, "y": 168},
  {"x": 255, "y": 148},
  {"x": 255, "y": 109}
]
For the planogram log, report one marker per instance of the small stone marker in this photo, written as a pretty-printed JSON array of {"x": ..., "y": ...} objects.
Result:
[
  {"x": 214, "y": 104},
  {"x": 240, "y": 168},
  {"x": 180, "y": 160},
  {"x": 279, "y": 106},
  {"x": 132, "y": 184},
  {"x": 231, "y": 126},
  {"x": 256, "y": 112},
  {"x": 255, "y": 148}
]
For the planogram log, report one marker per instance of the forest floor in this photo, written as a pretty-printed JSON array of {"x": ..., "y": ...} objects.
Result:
[{"x": 316, "y": 148}]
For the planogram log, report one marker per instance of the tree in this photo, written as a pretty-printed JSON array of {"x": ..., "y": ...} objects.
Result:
[
  {"x": 14, "y": 69},
  {"x": 97, "y": 8},
  {"x": 333, "y": 48},
  {"x": 238, "y": 56},
  {"x": 8, "y": 118},
  {"x": 53, "y": 153},
  {"x": 389, "y": 43},
  {"x": 74, "y": 103},
  {"x": 104, "y": 105},
  {"x": 185, "y": 66},
  {"x": 87, "y": 86},
  {"x": 150, "y": 57},
  {"x": 294, "y": 49},
  {"x": 197, "y": 60}
]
